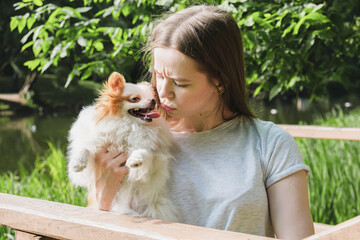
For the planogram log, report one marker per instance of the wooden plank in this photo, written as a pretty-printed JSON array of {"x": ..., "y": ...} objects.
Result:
[
  {"x": 19, "y": 235},
  {"x": 65, "y": 221},
  {"x": 322, "y": 132},
  {"x": 349, "y": 230},
  {"x": 319, "y": 227}
]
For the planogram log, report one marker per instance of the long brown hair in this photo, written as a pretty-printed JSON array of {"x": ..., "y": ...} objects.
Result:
[{"x": 210, "y": 36}]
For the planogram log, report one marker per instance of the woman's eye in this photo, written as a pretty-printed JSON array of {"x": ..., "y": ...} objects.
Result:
[{"x": 179, "y": 85}]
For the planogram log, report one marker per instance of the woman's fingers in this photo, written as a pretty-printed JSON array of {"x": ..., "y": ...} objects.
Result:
[
  {"x": 118, "y": 159},
  {"x": 109, "y": 173}
]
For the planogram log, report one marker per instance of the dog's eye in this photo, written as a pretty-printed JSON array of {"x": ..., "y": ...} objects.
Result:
[{"x": 135, "y": 99}]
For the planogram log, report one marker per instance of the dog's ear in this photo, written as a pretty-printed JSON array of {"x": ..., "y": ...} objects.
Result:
[{"x": 116, "y": 82}]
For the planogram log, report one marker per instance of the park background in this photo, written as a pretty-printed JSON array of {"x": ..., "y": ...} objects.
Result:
[{"x": 302, "y": 65}]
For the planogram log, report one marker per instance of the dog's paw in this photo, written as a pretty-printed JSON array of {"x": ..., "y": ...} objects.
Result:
[
  {"x": 79, "y": 161},
  {"x": 135, "y": 160},
  {"x": 138, "y": 164},
  {"x": 78, "y": 167}
]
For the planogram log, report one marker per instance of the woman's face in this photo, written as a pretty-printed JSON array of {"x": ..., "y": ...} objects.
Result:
[{"x": 183, "y": 90}]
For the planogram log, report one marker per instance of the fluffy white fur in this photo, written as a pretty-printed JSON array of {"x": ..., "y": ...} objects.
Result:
[{"x": 143, "y": 191}]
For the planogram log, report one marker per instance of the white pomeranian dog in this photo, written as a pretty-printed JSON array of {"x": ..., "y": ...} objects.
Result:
[{"x": 123, "y": 118}]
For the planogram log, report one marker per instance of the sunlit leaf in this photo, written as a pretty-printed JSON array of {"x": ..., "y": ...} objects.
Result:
[
  {"x": 81, "y": 41},
  {"x": 38, "y": 2},
  {"x": 275, "y": 91},
  {"x": 32, "y": 64},
  {"x": 126, "y": 10},
  {"x": 98, "y": 45},
  {"x": 14, "y": 23},
  {"x": 22, "y": 24}
]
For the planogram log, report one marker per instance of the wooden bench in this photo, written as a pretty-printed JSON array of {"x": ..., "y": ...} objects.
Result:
[{"x": 39, "y": 219}]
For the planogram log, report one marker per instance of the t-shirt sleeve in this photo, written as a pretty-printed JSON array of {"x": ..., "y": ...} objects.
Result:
[{"x": 281, "y": 156}]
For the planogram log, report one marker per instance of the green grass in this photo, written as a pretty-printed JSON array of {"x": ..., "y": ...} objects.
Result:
[
  {"x": 334, "y": 180},
  {"x": 48, "y": 180}
]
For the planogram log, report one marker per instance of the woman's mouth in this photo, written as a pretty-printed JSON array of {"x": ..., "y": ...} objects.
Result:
[{"x": 167, "y": 108}]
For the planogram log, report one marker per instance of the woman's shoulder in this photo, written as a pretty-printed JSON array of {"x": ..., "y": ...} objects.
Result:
[
  {"x": 264, "y": 129},
  {"x": 256, "y": 126}
]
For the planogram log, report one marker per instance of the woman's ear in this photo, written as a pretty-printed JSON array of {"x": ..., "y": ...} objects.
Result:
[{"x": 219, "y": 87}]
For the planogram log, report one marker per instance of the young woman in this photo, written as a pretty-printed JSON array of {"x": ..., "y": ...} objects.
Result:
[{"x": 232, "y": 170}]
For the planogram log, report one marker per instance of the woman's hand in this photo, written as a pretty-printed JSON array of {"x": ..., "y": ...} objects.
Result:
[{"x": 109, "y": 173}]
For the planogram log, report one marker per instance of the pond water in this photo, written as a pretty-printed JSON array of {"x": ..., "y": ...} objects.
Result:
[{"x": 22, "y": 139}]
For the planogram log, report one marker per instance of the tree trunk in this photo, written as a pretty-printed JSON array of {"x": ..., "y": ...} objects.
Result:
[{"x": 19, "y": 97}]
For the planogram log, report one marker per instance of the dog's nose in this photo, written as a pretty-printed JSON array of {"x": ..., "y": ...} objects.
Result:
[{"x": 153, "y": 102}]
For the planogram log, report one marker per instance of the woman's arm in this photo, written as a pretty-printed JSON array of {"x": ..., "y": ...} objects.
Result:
[
  {"x": 109, "y": 173},
  {"x": 289, "y": 207}
]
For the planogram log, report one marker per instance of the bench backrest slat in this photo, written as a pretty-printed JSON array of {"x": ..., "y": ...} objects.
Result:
[
  {"x": 319, "y": 132},
  {"x": 63, "y": 221}
]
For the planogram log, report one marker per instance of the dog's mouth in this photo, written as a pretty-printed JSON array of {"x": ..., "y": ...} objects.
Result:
[{"x": 144, "y": 114}]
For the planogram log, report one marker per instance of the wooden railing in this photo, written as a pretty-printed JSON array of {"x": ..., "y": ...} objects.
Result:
[
  {"x": 299, "y": 131},
  {"x": 39, "y": 219}
]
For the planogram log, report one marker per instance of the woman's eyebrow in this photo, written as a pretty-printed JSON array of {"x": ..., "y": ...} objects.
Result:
[{"x": 180, "y": 79}]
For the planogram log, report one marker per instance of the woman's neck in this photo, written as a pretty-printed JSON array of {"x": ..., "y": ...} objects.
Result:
[{"x": 199, "y": 123}]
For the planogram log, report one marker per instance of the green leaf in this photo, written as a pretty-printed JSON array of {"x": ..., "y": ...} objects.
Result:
[
  {"x": 38, "y": 3},
  {"x": 72, "y": 12},
  {"x": 32, "y": 64},
  {"x": 275, "y": 91},
  {"x": 45, "y": 46},
  {"x": 27, "y": 45},
  {"x": 126, "y": 10},
  {"x": 22, "y": 24},
  {"x": 99, "y": 46},
  {"x": 87, "y": 73},
  {"x": 37, "y": 32},
  {"x": 46, "y": 66},
  {"x": 81, "y": 41},
  {"x": 259, "y": 20},
  {"x": 288, "y": 29},
  {"x": 292, "y": 82},
  {"x": 37, "y": 47},
  {"x": 298, "y": 25},
  {"x": 316, "y": 16},
  {"x": 266, "y": 64},
  {"x": 257, "y": 90},
  {"x": 116, "y": 14},
  {"x": 69, "y": 79},
  {"x": 249, "y": 21},
  {"x": 30, "y": 21},
  {"x": 25, "y": 38},
  {"x": 55, "y": 51},
  {"x": 14, "y": 23},
  {"x": 53, "y": 16}
]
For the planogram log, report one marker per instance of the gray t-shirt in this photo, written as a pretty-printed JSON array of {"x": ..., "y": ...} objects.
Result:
[{"x": 220, "y": 176}]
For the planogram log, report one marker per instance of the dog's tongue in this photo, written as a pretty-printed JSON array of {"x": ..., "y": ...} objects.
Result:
[{"x": 151, "y": 115}]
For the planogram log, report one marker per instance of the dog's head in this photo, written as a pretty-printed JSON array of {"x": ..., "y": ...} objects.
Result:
[{"x": 126, "y": 99}]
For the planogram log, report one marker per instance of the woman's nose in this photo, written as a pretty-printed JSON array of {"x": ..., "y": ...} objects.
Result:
[{"x": 165, "y": 89}]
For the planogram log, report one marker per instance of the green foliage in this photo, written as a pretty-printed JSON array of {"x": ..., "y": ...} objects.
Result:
[
  {"x": 334, "y": 180},
  {"x": 48, "y": 180},
  {"x": 299, "y": 45},
  {"x": 289, "y": 45},
  {"x": 98, "y": 37}
]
